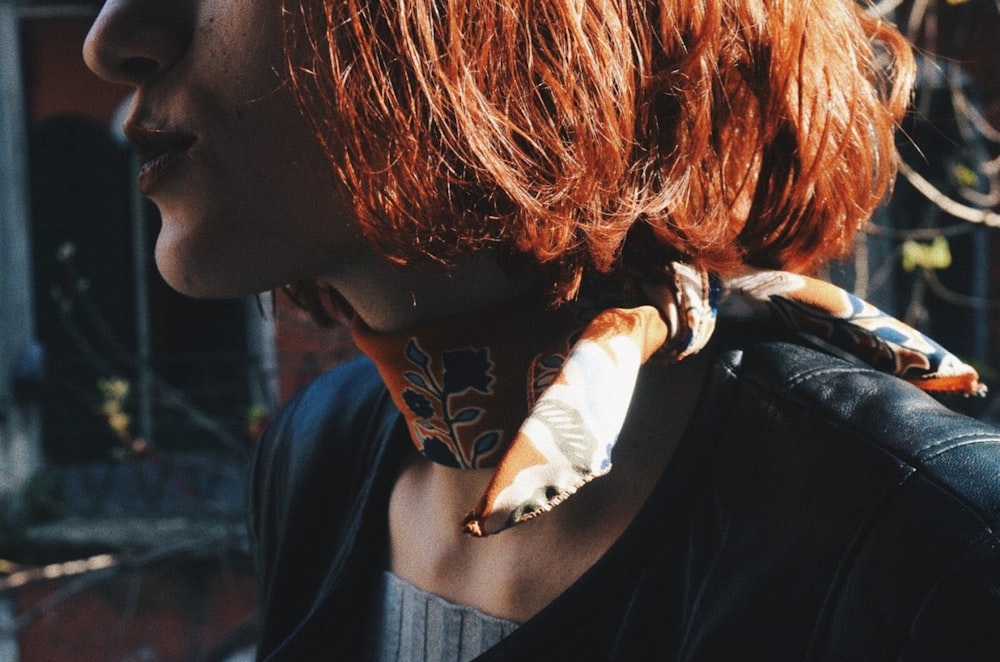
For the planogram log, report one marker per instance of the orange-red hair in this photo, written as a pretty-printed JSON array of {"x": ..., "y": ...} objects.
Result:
[{"x": 604, "y": 135}]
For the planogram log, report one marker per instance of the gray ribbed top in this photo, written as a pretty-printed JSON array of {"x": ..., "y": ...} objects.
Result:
[{"x": 414, "y": 626}]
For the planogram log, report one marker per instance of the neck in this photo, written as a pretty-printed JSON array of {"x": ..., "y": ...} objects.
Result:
[
  {"x": 553, "y": 551},
  {"x": 465, "y": 384},
  {"x": 664, "y": 399},
  {"x": 390, "y": 298}
]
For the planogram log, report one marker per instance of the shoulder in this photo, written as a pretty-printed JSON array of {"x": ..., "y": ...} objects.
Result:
[
  {"x": 315, "y": 452},
  {"x": 340, "y": 397},
  {"x": 314, "y": 463},
  {"x": 327, "y": 427},
  {"x": 343, "y": 406},
  {"x": 899, "y": 494},
  {"x": 797, "y": 385}
]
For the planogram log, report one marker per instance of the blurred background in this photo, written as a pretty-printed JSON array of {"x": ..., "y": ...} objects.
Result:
[{"x": 128, "y": 413}]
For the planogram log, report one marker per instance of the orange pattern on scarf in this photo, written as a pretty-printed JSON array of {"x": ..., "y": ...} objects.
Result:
[{"x": 541, "y": 395}]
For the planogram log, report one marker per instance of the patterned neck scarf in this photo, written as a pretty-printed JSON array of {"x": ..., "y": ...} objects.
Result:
[{"x": 540, "y": 395}]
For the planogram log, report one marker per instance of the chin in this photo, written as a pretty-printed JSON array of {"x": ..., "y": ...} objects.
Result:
[
  {"x": 193, "y": 284},
  {"x": 208, "y": 276}
]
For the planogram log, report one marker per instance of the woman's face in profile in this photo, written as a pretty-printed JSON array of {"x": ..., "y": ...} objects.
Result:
[{"x": 244, "y": 192}]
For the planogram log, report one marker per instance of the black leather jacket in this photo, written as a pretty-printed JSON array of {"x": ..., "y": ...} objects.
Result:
[{"x": 815, "y": 510}]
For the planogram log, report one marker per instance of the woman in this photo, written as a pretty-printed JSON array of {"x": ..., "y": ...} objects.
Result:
[{"x": 534, "y": 215}]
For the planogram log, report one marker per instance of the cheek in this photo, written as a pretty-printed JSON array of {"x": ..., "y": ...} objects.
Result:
[
  {"x": 257, "y": 207},
  {"x": 257, "y": 239}
]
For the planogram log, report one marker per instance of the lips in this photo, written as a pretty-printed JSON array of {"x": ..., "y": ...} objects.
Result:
[{"x": 159, "y": 150}]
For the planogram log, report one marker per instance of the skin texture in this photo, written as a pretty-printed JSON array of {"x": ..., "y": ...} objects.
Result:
[
  {"x": 513, "y": 575},
  {"x": 250, "y": 205}
]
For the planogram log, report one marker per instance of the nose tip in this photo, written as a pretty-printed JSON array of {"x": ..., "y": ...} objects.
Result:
[{"x": 133, "y": 41}]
